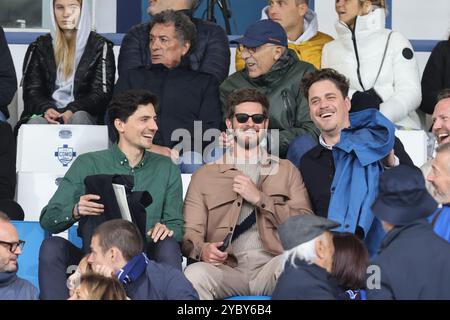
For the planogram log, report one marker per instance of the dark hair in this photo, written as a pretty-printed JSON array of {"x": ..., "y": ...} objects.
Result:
[
  {"x": 332, "y": 75},
  {"x": 100, "y": 287},
  {"x": 124, "y": 104},
  {"x": 184, "y": 27},
  {"x": 121, "y": 234},
  {"x": 443, "y": 94},
  {"x": 239, "y": 96},
  {"x": 350, "y": 261}
]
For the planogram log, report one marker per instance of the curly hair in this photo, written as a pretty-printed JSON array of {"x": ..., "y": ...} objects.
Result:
[{"x": 184, "y": 27}]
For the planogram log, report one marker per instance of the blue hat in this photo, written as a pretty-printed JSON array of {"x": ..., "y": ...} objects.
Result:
[
  {"x": 262, "y": 32},
  {"x": 402, "y": 196}
]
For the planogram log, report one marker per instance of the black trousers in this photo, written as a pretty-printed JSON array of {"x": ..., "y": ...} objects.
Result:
[{"x": 58, "y": 259}]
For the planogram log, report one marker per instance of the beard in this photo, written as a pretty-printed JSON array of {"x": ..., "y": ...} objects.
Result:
[
  {"x": 441, "y": 197},
  {"x": 9, "y": 268},
  {"x": 249, "y": 143}
]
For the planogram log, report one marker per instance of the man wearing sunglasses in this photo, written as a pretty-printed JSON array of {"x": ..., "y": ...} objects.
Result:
[
  {"x": 233, "y": 207},
  {"x": 276, "y": 71},
  {"x": 11, "y": 286}
]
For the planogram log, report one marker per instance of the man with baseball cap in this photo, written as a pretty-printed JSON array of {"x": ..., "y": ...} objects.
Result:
[
  {"x": 309, "y": 250},
  {"x": 413, "y": 261},
  {"x": 276, "y": 71}
]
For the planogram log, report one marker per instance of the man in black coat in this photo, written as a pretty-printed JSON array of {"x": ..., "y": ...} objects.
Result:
[
  {"x": 413, "y": 261},
  {"x": 309, "y": 259},
  {"x": 211, "y": 54},
  {"x": 8, "y": 80},
  {"x": 184, "y": 95}
]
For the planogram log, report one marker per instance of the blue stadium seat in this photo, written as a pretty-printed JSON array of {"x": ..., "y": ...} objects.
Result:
[
  {"x": 249, "y": 298},
  {"x": 33, "y": 235},
  {"x": 73, "y": 236}
]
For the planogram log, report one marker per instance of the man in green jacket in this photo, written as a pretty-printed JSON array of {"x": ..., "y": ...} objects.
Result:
[
  {"x": 276, "y": 71},
  {"x": 132, "y": 114}
]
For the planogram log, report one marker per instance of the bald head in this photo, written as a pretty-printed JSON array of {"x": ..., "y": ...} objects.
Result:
[{"x": 8, "y": 234}]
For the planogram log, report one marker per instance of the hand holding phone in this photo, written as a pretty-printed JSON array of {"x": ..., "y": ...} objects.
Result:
[{"x": 226, "y": 242}]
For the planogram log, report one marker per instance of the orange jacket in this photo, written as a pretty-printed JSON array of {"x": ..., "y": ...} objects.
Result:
[{"x": 309, "y": 51}]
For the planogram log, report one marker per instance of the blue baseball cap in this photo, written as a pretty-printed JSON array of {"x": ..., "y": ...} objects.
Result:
[{"x": 262, "y": 32}]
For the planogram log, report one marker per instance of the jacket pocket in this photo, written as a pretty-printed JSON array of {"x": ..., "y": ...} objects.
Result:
[
  {"x": 278, "y": 196},
  {"x": 214, "y": 201},
  {"x": 219, "y": 207}
]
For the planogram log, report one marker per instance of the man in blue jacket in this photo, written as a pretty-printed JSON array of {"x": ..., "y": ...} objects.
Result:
[
  {"x": 11, "y": 286},
  {"x": 413, "y": 261},
  {"x": 212, "y": 52},
  {"x": 8, "y": 80},
  {"x": 341, "y": 173},
  {"x": 117, "y": 251}
]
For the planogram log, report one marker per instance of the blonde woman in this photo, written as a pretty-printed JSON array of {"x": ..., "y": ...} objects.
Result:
[
  {"x": 69, "y": 73},
  {"x": 376, "y": 60},
  {"x": 98, "y": 287}
]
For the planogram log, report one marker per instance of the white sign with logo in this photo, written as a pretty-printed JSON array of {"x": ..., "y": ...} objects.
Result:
[{"x": 53, "y": 148}]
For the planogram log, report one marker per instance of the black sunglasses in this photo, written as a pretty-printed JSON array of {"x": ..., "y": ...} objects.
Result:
[
  {"x": 256, "y": 118},
  {"x": 13, "y": 245}
]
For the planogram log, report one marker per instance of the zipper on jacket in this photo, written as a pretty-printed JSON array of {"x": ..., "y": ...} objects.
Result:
[
  {"x": 288, "y": 107},
  {"x": 27, "y": 64},
  {"x": 355, "y": 47},
  {"x": 105, "y": 51}
]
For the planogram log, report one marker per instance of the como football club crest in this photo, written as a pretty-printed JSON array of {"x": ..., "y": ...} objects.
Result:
[{"x": 65, "y": 154}]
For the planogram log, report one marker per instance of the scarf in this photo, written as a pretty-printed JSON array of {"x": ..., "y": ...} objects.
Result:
[{"x": 133, "y": 269}]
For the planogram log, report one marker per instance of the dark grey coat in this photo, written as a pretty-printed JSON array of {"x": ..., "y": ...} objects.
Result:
[
  {"x": 414, "y": 264},
  {"x": 305, "y": 282}
]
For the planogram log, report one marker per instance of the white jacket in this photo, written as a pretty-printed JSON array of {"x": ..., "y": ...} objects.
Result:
[{"x": 399, "y": 81}]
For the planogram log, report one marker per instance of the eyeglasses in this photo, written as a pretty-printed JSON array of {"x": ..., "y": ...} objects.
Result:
[
  {"x": 13, "y": 245},
  {"x": 252, "y": 51},
  {"x": 256, "y": 118}
]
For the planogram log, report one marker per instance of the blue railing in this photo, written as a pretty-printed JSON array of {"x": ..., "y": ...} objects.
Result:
[{"x": 116, "y": 38}]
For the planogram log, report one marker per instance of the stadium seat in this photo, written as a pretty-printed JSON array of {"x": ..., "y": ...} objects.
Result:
[
  {"x": 44, "y": 154},
  {"x": 73, "y": 236},
  {"x": 33, "y": 235}
]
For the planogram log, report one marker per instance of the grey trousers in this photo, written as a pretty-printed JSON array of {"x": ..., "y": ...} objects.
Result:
[
  {"x": 256, "y": 274},
  {"x": 79, "y": 117}
]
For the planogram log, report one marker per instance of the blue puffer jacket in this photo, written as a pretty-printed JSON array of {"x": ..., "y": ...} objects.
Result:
[
  {"x": 210, "y": 55},
  {"x": 357, "y": 157}
]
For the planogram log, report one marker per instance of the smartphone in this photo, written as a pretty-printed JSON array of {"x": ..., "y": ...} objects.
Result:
[{"x": 226, "y": 242}]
